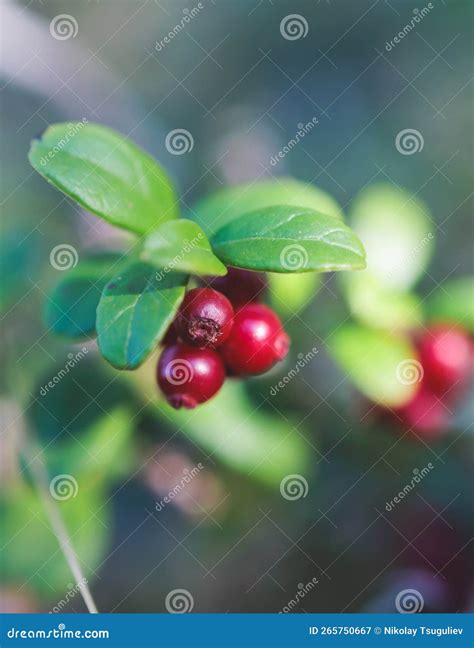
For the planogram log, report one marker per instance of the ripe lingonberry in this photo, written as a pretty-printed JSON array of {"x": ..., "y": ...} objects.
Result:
[
  {"x": 171, "y": 335},
  {"x": 189, "y": 376},
  {"x": 445, "y": 353},
  {"x": 425, "y": 413},
  {"x": 205, "y": 318},
  {"x": 257, "y": 341},
  {"x": 241, "y": 286}
]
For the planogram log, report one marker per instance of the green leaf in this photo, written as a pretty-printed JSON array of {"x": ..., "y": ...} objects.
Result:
[
  {"x": 289, "y": 239},
  {"x": 384, "y": 367},
  {"x": 221, "y": 207},
  {"x": 181, "y": 245},
  {"x": 290, "y": 293},
  {"x": 453, "y": 302},
  {"x": 134, "y": 312},
  {"x": 71, "y": 307},
  {"x": 397, "y": 233},
  {"x": 374, "y": 304},
  {"x": 106, "y": 174}
]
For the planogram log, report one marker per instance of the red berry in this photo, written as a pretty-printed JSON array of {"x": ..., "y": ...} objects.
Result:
[
  {"x": 189, "y": 376},
  {"x": 425, "y": 413},
  {"x": 205, "y": 318},
  {"x": 445, "y": 353},
  {"x": 257, "y": 341},
  {"x": 241, "y": 286}
]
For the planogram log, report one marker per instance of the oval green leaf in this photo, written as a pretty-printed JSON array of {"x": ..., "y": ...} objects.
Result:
[
  {"x": 106, "y": 174},
  {"x": 181, "y": 245},
  {"x": 397, "y": 233},
  {"x": 134, "y": 312},
  {"x": 289, "y": 239},
  {"x": 384, "y": 367},
  {"x": 72, "y": 304},
  {"x": 453, "y": 302},
  {"x": 222, "y": 207}
]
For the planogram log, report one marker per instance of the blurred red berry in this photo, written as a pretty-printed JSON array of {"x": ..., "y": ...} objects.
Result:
[
  {"x": 445, "y": 353},
  {"x": 204, "y": 318},
  {"x": 171, "y": 335},
  {"x": 257, "y": 341},
  {"x": 425, "y": 413},
  {"x": 188, "y": 376},
  {"x": 241, "y": 286}
]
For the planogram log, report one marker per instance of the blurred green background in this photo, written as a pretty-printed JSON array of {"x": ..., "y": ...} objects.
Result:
[{"x": 242, "y": 90}]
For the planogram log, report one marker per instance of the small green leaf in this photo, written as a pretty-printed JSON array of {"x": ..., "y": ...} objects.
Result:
[
  {"x": 221, "y": 207},
  {"x": 384, "y": 367},
  {"x": 134, "y": 312},
  {"x": 290, "y": 293},
  {"x": 453, "y": 302},
  {"x": 71, "y": 307},
  {"x": 106, "y": 174},
  {"x": 374, "y": 304},
  {"x": 181, "y": 245},
  {"x": 289, "y": 239},
  {"x": 397, "y": 232}
]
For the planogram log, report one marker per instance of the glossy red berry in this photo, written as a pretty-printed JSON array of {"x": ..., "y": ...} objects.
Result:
[
  {"x": 205, "y": 318},
  {"x": 445, "y": 353},
  {"x": 188, "y": 376},
  {"x": 425, "y": 414},
  {"x": 257, "y": 341},
  {"x": 241, "y": 286}
]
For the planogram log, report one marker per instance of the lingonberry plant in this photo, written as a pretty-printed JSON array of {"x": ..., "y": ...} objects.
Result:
[{"x": 136, "y": 301}]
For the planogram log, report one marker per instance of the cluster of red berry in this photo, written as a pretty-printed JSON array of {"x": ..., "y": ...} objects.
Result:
[
  {"x": 445, "y": 361},
  {"x": 219, "y": 330}
]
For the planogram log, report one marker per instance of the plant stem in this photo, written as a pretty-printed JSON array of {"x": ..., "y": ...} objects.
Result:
[{"x": 33, "y": 455}]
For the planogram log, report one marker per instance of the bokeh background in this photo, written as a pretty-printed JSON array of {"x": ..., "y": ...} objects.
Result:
[{"x": 242, "y": 90}]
